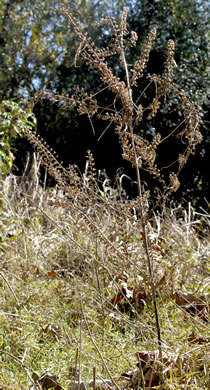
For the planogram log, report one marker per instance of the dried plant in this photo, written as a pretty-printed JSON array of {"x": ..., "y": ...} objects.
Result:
[{"x": 126, "y": 115}]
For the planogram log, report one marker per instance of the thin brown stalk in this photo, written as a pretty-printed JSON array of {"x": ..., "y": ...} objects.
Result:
[{"x": 96, "y": 346}]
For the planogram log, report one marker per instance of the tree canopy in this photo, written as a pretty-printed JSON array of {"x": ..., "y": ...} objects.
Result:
[{"x": 37, "y": 52}]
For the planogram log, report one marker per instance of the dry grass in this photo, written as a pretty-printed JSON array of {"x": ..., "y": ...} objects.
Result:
[
  {"x": 90, "y": 278},
  {"x": 58, "y": 282}
]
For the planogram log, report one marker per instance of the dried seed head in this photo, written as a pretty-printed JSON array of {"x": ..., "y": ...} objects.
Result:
[
  {"x": 140, "y": 64},
  {"x": 170, "y": 62},
  {"x": 174, "y": 182},
  {"x": 139, "y": 113},
  {"x": 133, "y": 39}
]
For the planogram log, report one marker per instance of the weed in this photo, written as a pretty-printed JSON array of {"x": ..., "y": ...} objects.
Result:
[{"x": 90, "y": 276}]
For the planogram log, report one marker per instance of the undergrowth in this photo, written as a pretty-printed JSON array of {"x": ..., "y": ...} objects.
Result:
[
  {"x": 93, "y": 283},
  {"x": 62, "y": 289}
]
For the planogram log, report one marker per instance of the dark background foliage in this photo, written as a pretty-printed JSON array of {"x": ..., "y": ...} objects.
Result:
[{"x": 37, "y": 50}]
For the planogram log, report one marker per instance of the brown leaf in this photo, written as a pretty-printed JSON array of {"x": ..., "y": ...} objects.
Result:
[
  {"x": 193, "y": 304},
  {"x": 48, "y": 380},
  {"x": 150, "y": 367},
  {"x": 52, "y": 273},
  {"x": 196, "y": 340},
  {"x": 156, "y": 248}
]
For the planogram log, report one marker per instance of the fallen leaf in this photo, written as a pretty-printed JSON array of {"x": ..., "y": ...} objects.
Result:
[
  {"x": 52, "y": 273},
  {"x": 193, "y": 304},
  {"x": 196, "y": 340},
  {"x": 149, "y": 365},
  {"x": 48, "y": 381}
]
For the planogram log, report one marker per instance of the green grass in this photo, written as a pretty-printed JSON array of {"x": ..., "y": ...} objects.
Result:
[{"x": 51, "y": 323}]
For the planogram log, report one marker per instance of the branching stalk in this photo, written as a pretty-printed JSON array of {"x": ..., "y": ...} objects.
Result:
[{"x": 144, "y": 219}]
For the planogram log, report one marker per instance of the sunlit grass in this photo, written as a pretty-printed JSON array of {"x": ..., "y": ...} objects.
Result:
[{"x": 56, "y": 299}]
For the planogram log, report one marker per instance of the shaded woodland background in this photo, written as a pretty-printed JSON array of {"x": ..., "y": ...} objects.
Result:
[{"x": 37, "y": 50}]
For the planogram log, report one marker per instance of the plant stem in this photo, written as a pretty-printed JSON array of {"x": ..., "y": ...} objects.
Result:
[{"x": 143, "y": 219}]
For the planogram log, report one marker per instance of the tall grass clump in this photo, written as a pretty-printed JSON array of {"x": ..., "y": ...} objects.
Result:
[{"x": 124, "y": 281}]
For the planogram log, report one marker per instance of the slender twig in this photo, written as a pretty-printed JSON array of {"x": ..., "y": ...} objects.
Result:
[
  {"x": 10, "y": 287},
  {"x": 99, "y": 289},
  {"x": 96, "y": 346},
  {"x": 141, "y": 372},
  {"x": 94, "y": 378},
  {"x": 80, "y": 351},
  {"x": 24, "y": 355},
  {"x": 74, "y": 376},
  {"x": 19, "y": 362},
  {"x": 149, "y": 262},
  {"x": 143, "y": 219}
]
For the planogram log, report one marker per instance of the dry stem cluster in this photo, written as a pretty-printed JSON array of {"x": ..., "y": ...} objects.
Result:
[{"x": 89, "y": 203}]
